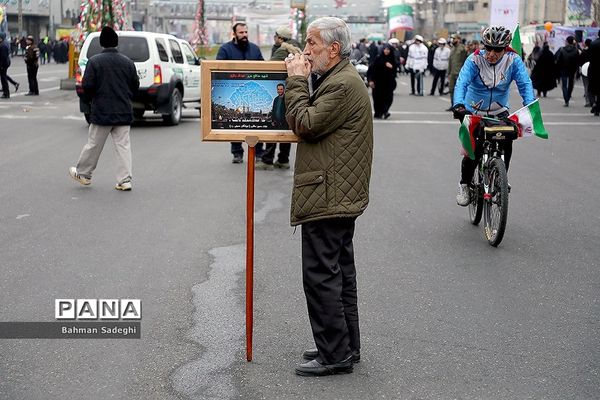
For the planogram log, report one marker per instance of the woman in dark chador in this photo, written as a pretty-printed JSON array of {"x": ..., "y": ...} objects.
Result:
[
  {"x": 382, "y": 80},
  {"x": 544, "y": 72}
]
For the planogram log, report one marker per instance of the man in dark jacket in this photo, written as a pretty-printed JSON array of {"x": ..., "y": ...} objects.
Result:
[
  {"x": 567, "y": 62},
  {"x": 333, "y": 121},
  {"x": 32, "y": 57},
  {"x": 594, "y": 76},
  {"x": 284, "y": 45},
  {"x": 240, "y": 48},
  {"x": 110, "y": 80},
  {"x": 4, "y": 64}
]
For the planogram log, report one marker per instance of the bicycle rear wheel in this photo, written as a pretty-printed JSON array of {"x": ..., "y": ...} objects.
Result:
[
  {"x": 495, "y": 203},
  {"x": 476, "y": 197}
]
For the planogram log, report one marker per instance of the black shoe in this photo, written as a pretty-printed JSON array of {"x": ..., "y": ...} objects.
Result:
[
  {"x": 566, "y": 104},
  {"x": 413, "y": 94},
  {"x": 449, "y": 109},
  {"x": 312, "y": 354},
  {"x": 315, "y": 368},
  {"x": 5, "y": 96},
  {"x": 17, "y": 86},
  {"x": 594, "y": 109},
  {"x": 238, "y": 158},
  {"x": 387, "y": 115}
]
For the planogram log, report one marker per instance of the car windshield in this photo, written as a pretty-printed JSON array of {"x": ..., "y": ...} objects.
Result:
[{"x": 136, "y": 48}]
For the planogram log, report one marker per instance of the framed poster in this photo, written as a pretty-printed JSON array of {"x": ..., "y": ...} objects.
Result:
[{"x": 244, "y": 98}]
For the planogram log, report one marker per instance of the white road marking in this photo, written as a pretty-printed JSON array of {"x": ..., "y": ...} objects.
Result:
[{"x": 23, "y": 216}]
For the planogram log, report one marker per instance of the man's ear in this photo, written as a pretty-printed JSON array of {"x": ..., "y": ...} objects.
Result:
[{"x": 335, "y": 50}]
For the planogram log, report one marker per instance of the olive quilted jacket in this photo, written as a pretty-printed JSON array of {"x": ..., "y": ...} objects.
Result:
[{"x": 335, "y": 152}]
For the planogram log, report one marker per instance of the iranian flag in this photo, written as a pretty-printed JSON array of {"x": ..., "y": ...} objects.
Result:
[
  {"x": 466, "y": 134},
  {"x": 529, "y": 120}
]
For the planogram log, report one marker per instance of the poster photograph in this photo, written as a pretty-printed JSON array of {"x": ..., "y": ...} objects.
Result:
[{"x": 244, "y": 98}]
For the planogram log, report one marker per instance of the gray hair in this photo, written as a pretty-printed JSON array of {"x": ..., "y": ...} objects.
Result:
[{"x": 333, "y": 29}]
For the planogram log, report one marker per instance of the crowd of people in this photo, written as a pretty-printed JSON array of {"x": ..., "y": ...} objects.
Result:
[{"x": 442, "y": 59}]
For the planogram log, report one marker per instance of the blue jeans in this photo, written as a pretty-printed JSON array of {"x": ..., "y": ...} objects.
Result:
[{"x": 568, "y": 81}]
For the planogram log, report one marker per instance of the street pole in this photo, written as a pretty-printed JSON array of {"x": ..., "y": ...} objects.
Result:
[
  {"x": 50, "y": 19},
  {"x": 20, "y": 18}
]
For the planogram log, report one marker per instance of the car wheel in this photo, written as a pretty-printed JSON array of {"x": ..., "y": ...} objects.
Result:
[{"x": 176, "y": 108}]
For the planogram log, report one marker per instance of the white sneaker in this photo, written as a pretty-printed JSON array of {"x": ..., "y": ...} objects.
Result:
[
  {"x": 73, "y": 174},
  {"x": 462, "y": 198},
  {"x": 125, "y": 186}
]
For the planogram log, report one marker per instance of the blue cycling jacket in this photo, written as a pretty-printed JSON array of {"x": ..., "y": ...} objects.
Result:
[{"x": 484, "y": 88}]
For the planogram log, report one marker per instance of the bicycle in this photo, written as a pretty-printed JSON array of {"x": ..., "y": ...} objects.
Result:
[{"x": 489, "y": 186}]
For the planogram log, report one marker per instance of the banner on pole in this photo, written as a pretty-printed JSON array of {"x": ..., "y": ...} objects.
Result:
[
  {"x": 505, "y": 13},
  {"x": 400, "y": 17}
]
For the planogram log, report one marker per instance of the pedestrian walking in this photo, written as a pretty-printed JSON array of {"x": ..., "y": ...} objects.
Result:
[
  {"x": 417, "y": 63},
  {"x": 32, "y": 56},
  {"x": 382, "y": 81},
  {"x": 282, "y": 47},
  {"x": 440, "y": 66},
  {"x": 334, "y": 123},
  {"x": 584, "y": 60},
  {"x": 240, "y": 48},
  {"x": 594, "y": 76},
  {"x": 109, "y": 81},
  {"x": 544, "y": 72},
  {"x": 567, "y": 62},
  {"x": 4, "y": 64},
  {"x": 458, "y": 55}
]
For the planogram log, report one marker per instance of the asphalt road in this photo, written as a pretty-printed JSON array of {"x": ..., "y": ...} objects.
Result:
[{"x": 443, "y": 314}]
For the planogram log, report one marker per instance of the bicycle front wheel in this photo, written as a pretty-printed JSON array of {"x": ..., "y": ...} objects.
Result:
[
  {"x": 476, "y": 198},
  {"x": 495, "y": 203}
]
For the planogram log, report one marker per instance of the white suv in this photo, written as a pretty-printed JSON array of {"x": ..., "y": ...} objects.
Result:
[{"x": 168, "y": 69}]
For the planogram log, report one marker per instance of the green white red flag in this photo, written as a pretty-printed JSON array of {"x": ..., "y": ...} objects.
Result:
[
  {"x": 529, "y": 120},
  {"x": 466, "y": 134}
]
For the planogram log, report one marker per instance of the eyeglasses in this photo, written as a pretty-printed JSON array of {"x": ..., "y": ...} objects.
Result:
[{"x": 495, "y": 49}]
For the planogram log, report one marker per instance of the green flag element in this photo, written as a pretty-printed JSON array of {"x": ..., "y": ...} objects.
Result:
[{"x": 516, "y": 42}]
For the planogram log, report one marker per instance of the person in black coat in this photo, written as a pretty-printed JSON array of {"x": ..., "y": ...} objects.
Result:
[
  {"x": 567, "y": 61},
  {"x": 594, "y": 75},
  {"x": 4, "y": 64},
  {"x": 110, "y": 81},
  {"x": 544, "y": 73},
  {"x": 382, "y": 80}
]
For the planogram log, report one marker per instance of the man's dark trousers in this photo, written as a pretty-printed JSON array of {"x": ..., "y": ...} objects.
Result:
[
  {"x": 329, "y": 278},
  {"x": 284, "y": 153},
  {"x": 568, "y": 81},
  {"x": 32, "y": 77},
  {"x": 4, "y": 81}
]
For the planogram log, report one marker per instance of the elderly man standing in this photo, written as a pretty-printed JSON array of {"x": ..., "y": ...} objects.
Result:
[{"x": 331, "y": 115}]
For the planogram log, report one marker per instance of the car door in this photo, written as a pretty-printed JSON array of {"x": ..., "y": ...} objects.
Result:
[
  {"x": 191, "y": 74},
  {"x": 179, "y": 63}
]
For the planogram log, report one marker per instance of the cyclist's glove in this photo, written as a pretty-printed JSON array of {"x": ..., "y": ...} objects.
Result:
[{"x": 459, "y": 111}]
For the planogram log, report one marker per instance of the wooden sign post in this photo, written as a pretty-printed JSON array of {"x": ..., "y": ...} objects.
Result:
[
  {"x": 237, "y": 98},
  {"x": 251, "y": 141}
]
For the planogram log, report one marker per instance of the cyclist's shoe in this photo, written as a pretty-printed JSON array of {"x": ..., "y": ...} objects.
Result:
[
  {"x": 462, "y": 198},
  {"x": 508, "y": 184}
]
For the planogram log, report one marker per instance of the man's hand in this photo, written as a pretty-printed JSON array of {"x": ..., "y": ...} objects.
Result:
[
  {"x": 372, "y": 84},
  {"x": 389, "y": 64},
  {"x": 459, "y": 111},
  {"x": 297, "y": 65}
]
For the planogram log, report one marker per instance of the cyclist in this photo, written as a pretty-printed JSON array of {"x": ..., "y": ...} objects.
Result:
[{"x": 483, "y": 88}]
